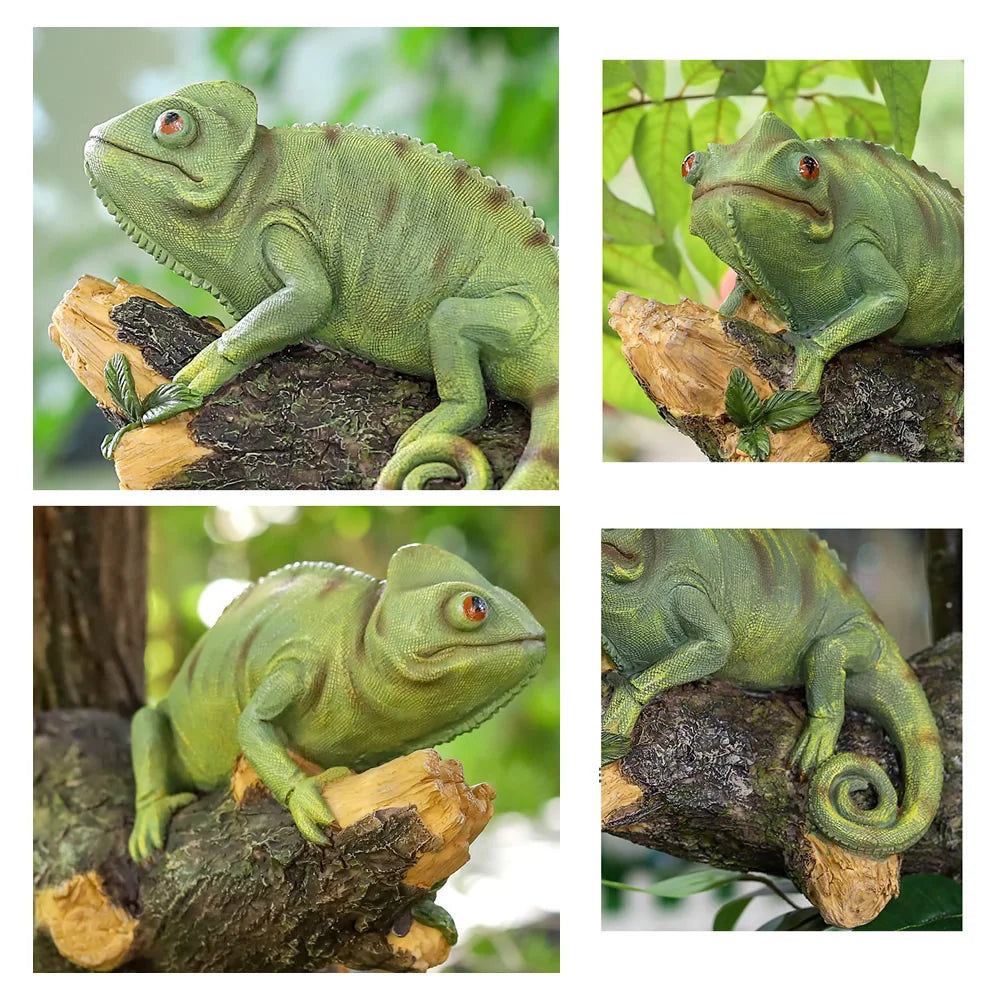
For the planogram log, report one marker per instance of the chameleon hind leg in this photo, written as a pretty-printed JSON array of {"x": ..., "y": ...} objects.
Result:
[
  {"x": 825, "y": 667},
  {"x": 152, "y": 753},
  {"x": 705, "y": 652},
  {"x": 460, "y": 332},
  {"x": 430, "y": 914}
]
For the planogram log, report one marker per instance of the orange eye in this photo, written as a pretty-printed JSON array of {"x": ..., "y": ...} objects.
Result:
[
  {"x": 169, "y": 123},
  {"x": 474, "y": 608},
  {"x": 808, "y": 168},
  {"x": 688, "y": 165}
]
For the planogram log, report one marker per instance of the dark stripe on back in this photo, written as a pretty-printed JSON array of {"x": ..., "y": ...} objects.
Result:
[
  {"x": 765, "y": 564},
  {"x": 333, "y": 134},
  {"x": 241, "y": 659}
]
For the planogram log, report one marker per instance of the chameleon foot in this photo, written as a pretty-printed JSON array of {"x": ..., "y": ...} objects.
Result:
[
  {"x": 149, "y": 832},
  {"x": 815, "y": 745},
  {"x": 309, "y": 808}
]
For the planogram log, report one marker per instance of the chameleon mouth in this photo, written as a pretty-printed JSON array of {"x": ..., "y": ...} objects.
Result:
[
  {"x": 154, "y": 159},
  {"x": 530, "y": 644},
  {"x": 820, "y": 213}
]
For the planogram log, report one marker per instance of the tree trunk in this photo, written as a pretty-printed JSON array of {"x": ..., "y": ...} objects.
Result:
[
  {"x": 876, "y": 397},
  {"x": 304, "y": 418},
  {"x": 90, "y": 607}
]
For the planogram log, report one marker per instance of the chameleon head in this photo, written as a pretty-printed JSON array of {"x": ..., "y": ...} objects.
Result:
[
  {"x": 450, "y": 638},
  {"x": 630, "y": 625},
  {"x": 172, "y": 158},
  {"x": 765, "y": 190}
]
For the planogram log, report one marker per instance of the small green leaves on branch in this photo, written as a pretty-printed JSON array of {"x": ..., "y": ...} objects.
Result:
[
  {"x": 753, "y": 416},
  {"x": 165, "y": 401}
]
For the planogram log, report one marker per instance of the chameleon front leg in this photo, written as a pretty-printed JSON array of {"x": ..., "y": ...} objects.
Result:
[
  {"x": 459, "y": 331},
  {"x": 734, "y": 299},
  {"x": 879, "y": 307},
  {"x": 264, "y": 744},
  {"x": 702, "y": 654},
  {"x": 152, "y": 752},
  {"x": 297, "y": 309},
  {"x": 825, "y": 667}
]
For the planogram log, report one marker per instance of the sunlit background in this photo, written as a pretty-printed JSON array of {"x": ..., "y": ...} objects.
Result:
[
  {"x": 505, "y": 900},
  {"x": 489, "y": 95},
  {"x": 633, "y": 431},
  {"x": 888, "y": 567}
]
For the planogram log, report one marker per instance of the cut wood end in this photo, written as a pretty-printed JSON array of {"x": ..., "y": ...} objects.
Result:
[
  {"x": 848, "y": 889},
  {"x": 425, "y": 945},
  {"x": 86, "y": 927},
  {"x": 617, "y": 793},
  {"x": 148, "y": 456}
]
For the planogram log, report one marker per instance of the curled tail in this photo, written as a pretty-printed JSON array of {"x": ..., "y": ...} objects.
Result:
[
  {"x": 448, "y": 456},
  {"x": 892, "y": 695}
]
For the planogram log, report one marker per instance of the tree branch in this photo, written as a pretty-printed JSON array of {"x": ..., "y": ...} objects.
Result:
[
  {"x": 304, "y": 418},
  {"x": 239, "y": 889},
  {"x": 876, "y": 397},
  {"x": 707, "y": 780}
]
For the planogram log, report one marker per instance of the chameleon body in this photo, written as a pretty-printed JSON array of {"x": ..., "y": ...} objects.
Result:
[
  {"x": 371, "y": 242},
  {"x": 768, "y": 610},
  {"x": 840, "y": 240},
  {"x": 345, "y": 670}
]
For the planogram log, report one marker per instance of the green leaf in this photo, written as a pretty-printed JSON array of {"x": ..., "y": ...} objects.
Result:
[
  {"x": 705, "y": 262},
  {"x": 121, "y": 386},
  {"x": 902, "y": 82},
  {"x": 926, "y": 902},
  {"x": 619, "y": 135},
  {"x": 109, "y": 444},
  {"x": 624, "y": 223},
  {"x": 634, "y": 269},
  {"x": 755, "y": 442},
  {"x": 863, "y": 68},
  {"x": 865, "y": 119},
  {"x": 729, "y": 913},
  {"x": 789, "y": 408},
  {"x": 739, "y": 76},
  {"x": 167, "y": 400},
  {"x": 662, "y": 140},
  {"x": 806, "y": 919},
  {"x": 825, "y": 118},
  {"x": 743, "y": 404},
  {"x": 620, "y": 387},
  {"x": 616, "y": 73},
  {"x": 651, "y": 75},
  {"x": 692, "y": 883},
  {"x": 781, "y": 84},
  {"x": 715, "y": 121},
  {"x": 698, "y": 71}
]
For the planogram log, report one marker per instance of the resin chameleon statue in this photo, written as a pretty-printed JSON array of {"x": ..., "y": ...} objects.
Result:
[
  {"x": 345, "y": 670},
  {"x": 370, "y": 242},
  {"x": 840, "y": 240},
  {"x": 767, "y": 610}
]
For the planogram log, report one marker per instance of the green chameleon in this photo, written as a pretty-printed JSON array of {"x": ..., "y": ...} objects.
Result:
[
  {"x": 371, "y": 242},
  {"x": 768, "y": 610},
  {"x": 346, "y": 670},
  {"x": 839, "y": 239}
]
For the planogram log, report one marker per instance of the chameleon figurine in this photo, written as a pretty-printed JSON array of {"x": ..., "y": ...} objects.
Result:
[
  {"x": 370, "y": 242},
  {"x": 841, "y": 240},
  {"x": 768, "y": 610},
  {"x": 345, "y": 670}
]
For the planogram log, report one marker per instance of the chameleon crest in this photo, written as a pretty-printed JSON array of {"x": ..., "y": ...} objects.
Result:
[
  {"x": 768, "y": 610},
  {"x": 839, "y": 239},
  {"x": 346, "y": 670},
  {"x": 370, "y": 242}
]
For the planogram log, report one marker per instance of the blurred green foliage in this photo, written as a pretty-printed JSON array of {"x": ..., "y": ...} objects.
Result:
[
  {"x": 655, "y": 113},
  {"x": 516, "y": 548},
  {"x": 489, "y": 95}
]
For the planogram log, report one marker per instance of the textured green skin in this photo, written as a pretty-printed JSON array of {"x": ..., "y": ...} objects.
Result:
[
  {"x": 346, "y": 670},
  {"x": 768, "y": 610},
  {"x": 874, "y": 245},
  {"x": 368, "y": 241}
]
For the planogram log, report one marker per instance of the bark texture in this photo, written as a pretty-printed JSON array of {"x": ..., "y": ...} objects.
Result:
[
  {"x": 239, "y": 889},
  {"x": 707, "y": 778},
  {"x": 876, "y": 397},
  {"x": 304, "y": 418},
  {"x": 89, "y": 607}
]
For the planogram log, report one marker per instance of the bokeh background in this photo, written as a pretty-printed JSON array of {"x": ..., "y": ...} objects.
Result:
[
  {"x": 888, "y": 566},
  {"x": 505, "y": 900},
  {"x": 489, "y": 95},
  {"x": 823, "y": 98}
]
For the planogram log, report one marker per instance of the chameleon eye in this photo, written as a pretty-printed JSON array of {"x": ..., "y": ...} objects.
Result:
[
  {"x": 808, "y": 168},
  {"x": 474, "y": 608},
  {"x": 688, "y": 165},
  {"x": 174, "y": 128}
]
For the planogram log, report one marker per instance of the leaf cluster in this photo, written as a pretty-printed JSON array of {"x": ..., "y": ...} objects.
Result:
[
  {"x": 165, "y": 401},
  {"x": 647, "y": 247},
  {"x": 780, "y": 411}
]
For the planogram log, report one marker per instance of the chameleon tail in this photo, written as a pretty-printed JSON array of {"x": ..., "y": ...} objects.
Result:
[
  {"x": 436, "y": 456},
  {"x": 538, "y": 466},
  {"x": 893, "y": 696}
]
